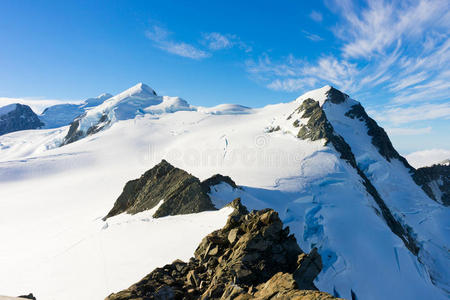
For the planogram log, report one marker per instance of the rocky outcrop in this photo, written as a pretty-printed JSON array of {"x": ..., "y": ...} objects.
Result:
[
  {"x": 336, "y": 96},
  {"x": 217, "y": 179},
  {"x": 179, "y": 192},
  {"x": 435, "y": 181},
  {"x": 15, "y": 117},
  {"x": 252, "y": 257},
  {"x": 29, "y": 296}
]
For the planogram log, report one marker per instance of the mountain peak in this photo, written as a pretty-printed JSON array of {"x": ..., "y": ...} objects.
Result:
[
  {"x": 140, "y": 89},
  {"x": 323, "y": 94}
]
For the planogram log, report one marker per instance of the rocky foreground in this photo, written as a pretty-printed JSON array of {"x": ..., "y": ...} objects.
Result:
[{"x": 251, "y": 257}]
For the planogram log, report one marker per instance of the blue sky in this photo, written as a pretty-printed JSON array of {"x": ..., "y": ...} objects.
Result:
[{"x": 394, "y": 57}]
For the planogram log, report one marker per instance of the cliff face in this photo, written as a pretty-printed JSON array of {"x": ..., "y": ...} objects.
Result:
[{"x": 251, "y": 257}]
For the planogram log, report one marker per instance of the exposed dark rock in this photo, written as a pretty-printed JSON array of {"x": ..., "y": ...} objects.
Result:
[
  {"x": 29, "y": 296},
  {"x": 215, "y": 180},
  {"x": 180, "y": 192},
  {"x": 252, "y": 257},
  {"x": 318, "y": 127},
  {"x": 380, "y": 138},
  {"x": 435, "y": 181},
  {"x": 18, "y": 117},
  {"x": 273, "y": 129},
  {"x": 74, "y": 133},
  {"x": 336, "y": 96}
]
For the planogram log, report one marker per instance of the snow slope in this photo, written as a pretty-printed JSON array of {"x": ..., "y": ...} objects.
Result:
[
  {"x": 52, "y": 200},
  {"x": 63, "y": 114}
]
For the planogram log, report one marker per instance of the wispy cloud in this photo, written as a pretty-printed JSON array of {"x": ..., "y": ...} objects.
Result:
[
  {"x": 293, "y": 74},
  {"x": 408, "y": 131},
  {"x": 218, "y": 41},
  {"x": 161, "y": 39},
  {"x": 401, "y": 115},
  {"x": 316, "y": 16},
  {"x": 396, "y": 51},
  {"x": 311, "y": 36},
  {"x": 381, "y": 24}
]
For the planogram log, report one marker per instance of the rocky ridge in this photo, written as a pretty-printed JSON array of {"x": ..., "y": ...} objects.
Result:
[
  {"x": 318, "y": 127},
  {"x": 178, "y": 192},
  {"x": 251, "y": 257}
]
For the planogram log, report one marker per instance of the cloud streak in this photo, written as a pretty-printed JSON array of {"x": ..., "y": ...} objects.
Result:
[
  {"x": 408, "y": 131},
  {"x": 217, "y": 41},
  {"x": 402, "y": 115},
  {"x": 397, "y": 54},
  {"x": 162, "y": 40}
]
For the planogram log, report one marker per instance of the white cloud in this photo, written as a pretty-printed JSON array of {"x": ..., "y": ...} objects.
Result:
[
  {"x": 291, "y": 85},
  {"x": 427, "y": 157},
  {"x": 293, "y": 74},
  {"x": 401, "y": 115},
  {"x": 161, "y": 39},
  {"x": 408, "y": 131},
  {"x": 395, "y": 53},
  {"x": 217, "y": 41},
  {"x": 37, "y": 105},
  {"x": 371, "y": 30},
  {"x": 311, "y": 36},
  {"x": 316, "y": 16}
]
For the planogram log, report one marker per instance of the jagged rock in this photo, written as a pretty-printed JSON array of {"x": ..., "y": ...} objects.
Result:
[
  {"x": 309, "y": 266},
  {"x": 435, "y": 181},
  {"x": 15, "y": 117},
  {"x": 336, "y": 96},
  {"x": 283, "y": 286},
  {"x": 181, "y": 192},
  {"x": 217, "y": 179},
  {"x": 252, "y": 257}
]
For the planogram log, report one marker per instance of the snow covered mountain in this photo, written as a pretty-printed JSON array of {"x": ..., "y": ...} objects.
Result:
[
  {"x": 320, "y": 161},
  {"x": 137, "y": 100},
  {"x": 15, "y": 117},
  {"x": 64, "y": 114}
]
